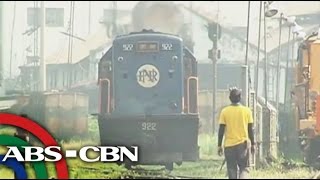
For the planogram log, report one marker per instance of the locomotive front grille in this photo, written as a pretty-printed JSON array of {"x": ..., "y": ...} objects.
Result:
[{"x": 172, "y": 133}]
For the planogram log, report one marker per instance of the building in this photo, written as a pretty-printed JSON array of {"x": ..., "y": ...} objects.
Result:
[
  {"x": 76, "y": 68},
  {"x": 232, "y": 42},
  {"x": 62, "y": 18},
  {"x": 65, "y": 72}
]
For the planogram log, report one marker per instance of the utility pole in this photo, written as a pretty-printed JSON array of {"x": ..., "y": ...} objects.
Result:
[
  {"x": 191, "y": 46},
  {"x": 114, "y": 18},
  {"x": 1, "y": 43},
  {"x": 287, "y": 71},
  {"x": 191, "y": 23},
  {"x": 213, "y": 54},
  {"x": 278, "y": 64},
  {"x": 265, "y": 59},
  {"x": 245, "y": 76},
  {"x": 214, "y": 84},
  {"x": 42, "y": 72},
  {"x": 12, "y": 33},
  {"x": 89, "y": 23},
  {"x": 258, "y": 56}
]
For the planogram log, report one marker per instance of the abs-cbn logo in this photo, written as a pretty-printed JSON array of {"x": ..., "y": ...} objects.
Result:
[
  {"x": 20, "y": 150},
  {"x": 50, "y": 154}
]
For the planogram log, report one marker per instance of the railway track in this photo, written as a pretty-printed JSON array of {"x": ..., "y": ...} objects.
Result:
[
  {"x": 316, "y": 175},
  {"x": 141, "y": 173},
  {"x": 162, "y": 173},
  {"x": 146, "y": 172},
  {"x": 157, "y": 174}
]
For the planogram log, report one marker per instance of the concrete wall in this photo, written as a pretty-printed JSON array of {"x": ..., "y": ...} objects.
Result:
[{"x": 205, "y": 108}]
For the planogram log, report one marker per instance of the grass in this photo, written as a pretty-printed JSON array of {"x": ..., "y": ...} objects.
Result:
[{"x": 208, "y": 151}]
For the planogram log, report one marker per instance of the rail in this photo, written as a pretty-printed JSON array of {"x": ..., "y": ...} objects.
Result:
[{"x": 316, "y": 175}]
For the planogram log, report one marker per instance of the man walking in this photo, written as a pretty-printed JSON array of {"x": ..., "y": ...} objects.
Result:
[{"x": 236, "y": 124}]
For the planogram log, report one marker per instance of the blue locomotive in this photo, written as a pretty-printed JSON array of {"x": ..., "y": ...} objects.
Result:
[{"x": 148, "y": 98}]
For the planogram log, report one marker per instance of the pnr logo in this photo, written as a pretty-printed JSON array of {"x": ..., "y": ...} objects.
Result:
[{"x": 148, "y": 76}]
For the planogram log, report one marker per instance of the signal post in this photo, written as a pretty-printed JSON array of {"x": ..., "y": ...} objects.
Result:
[{"x": 214, "y": 35}]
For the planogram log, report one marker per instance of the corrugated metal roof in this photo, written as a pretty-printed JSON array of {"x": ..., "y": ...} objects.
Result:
[{"x": 81, "y": 49}]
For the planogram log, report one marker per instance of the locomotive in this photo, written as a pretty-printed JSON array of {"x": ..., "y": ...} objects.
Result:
[
  {"x": 149, "y": 98},
  {"x": 307, "y": 99}
]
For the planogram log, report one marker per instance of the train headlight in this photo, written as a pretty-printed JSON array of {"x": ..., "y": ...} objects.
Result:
[
  {"x": 120, "y": 59},
  {"x": 173, "y": 105},
  {"x": 174, "y": 58}
]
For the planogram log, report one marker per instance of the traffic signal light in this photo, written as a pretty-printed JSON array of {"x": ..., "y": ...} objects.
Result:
[
  {"x": 211, "y": 54},
  {"x": 214, "y": 31}
]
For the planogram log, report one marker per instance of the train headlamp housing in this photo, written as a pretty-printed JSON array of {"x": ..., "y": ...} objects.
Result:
[
  {"x": 174, "y": 58},
  {"x": 120, "y": 59}
]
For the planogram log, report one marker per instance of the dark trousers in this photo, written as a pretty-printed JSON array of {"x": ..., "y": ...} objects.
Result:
[{"x": 237, "y": 159}]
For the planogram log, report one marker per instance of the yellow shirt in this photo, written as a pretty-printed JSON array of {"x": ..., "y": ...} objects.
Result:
[{"x": 236, "y": 118}]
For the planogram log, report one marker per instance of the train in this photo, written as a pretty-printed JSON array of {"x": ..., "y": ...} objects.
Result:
[
  {"x": 149, "y": 98},
  {"x": 306, "y": 94}
]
